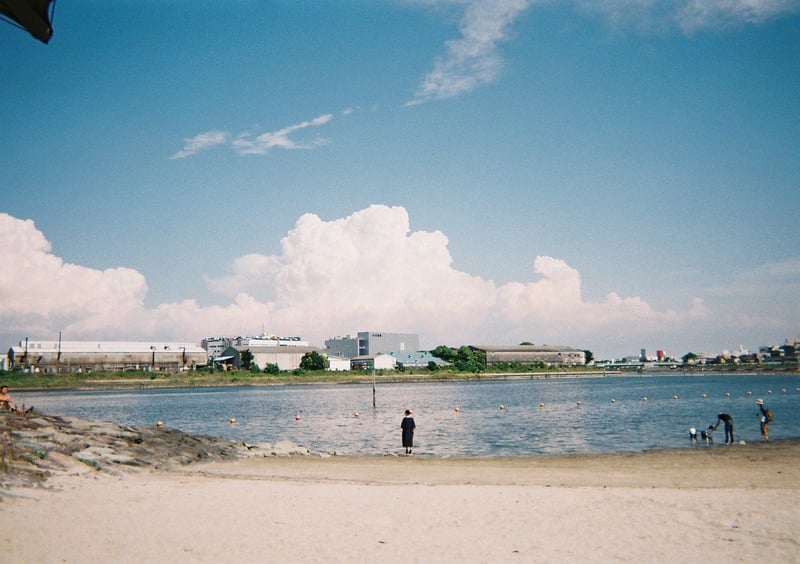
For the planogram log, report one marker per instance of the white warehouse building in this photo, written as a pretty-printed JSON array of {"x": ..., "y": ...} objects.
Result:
[{"x": 86, "y": 356}]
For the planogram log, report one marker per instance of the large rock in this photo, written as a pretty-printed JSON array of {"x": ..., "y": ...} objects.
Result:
[{"x": 34, "y": 446}]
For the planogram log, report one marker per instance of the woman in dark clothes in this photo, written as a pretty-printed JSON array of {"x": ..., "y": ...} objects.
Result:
[{"x": 408, "y": 427}]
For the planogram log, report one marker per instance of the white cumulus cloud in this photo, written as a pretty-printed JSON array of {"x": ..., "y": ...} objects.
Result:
[
  {"x": 40, "y": 294},
  {"x": 371, "y": 270},
  {"x": 366, "y": 271}
]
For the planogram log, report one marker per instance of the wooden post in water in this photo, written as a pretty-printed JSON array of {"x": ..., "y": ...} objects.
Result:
[{"x": 373, "y": 384}]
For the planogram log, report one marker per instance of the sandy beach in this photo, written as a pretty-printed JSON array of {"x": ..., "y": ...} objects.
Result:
[{"x": 698, "y": 504}]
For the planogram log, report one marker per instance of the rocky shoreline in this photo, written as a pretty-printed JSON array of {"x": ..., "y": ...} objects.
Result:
[{"x": 36, "y": 446}]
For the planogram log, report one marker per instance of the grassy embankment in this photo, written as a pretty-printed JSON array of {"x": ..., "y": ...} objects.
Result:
[{"x": 206, "y": 378}]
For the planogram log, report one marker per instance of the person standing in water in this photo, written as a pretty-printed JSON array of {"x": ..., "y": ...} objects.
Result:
[
  {"x": 766, "y": 419},
  {"x": 728, "y": 420},
  {"x": 408, "y": 427}
]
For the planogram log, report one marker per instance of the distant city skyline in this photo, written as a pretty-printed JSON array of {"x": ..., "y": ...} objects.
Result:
[{"x": 605, "y": 176}]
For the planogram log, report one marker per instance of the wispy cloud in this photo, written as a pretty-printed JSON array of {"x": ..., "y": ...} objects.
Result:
[
  {"x": 689, "y": 16},
  {"x": 201, "y": 142},
  {"x": 763, "y": 280},
  {"x": 472, "y": 60},
  {"x": 700, "y": 14},
  {"x": 788, "y": 267},
  {"x": 248, "y": 143}
]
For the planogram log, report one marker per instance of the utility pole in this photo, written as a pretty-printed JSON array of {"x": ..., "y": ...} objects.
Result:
[{"x": 58, "y": 356}]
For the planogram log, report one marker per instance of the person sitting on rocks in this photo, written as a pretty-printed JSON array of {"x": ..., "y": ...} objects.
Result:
[{"x": 6, "y": 401}]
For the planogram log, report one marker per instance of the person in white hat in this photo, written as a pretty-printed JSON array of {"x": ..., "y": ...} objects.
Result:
[{"x": 766, "y": 419}]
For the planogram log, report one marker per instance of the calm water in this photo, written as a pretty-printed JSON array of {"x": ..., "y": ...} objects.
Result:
[{"x": 479, "y": 427}]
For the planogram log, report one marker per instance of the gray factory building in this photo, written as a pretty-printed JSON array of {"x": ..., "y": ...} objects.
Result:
[{"x": 371, "y": 343}]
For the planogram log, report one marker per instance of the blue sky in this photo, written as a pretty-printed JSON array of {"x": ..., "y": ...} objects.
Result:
[{"x": 608, "y": 176}]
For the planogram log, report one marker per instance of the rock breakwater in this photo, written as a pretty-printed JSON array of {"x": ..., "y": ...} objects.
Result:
[{"x": 35, "y": 446}]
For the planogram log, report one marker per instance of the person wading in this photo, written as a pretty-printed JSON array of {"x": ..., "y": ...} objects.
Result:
[
  {"x": 408, "y": 426},
  {"x": 728, "y": 420}
]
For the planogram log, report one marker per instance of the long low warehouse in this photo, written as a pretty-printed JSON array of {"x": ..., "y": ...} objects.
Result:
[
  {"x": 57, "y": 357},
  {"x": 529, "y": 354}
]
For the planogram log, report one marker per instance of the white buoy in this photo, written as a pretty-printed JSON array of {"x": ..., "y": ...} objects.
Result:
[
  {"x": 233, "y": 421},
  {"x": 613, "y": 400},
  {"x": 502, "y": 407},
  {"x": 541, "y": 404},
  {"x": 159, "y": 423},
  {"x": 705, "y": 396},
  {"x": 457, "y": 409},
  {"x": 675, "y": 397},
  {"x": 356, "y": 414},
  {"x": 644, "y": 398}
]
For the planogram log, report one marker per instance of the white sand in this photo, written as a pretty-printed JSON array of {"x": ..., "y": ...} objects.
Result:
[{"x": 707, "y": 504}]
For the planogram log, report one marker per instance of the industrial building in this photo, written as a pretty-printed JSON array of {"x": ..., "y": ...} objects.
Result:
[
  {"x": 56, "y": 357},
  {"x": 216, "y": 345},
  {"x": 530, "y": 354},
  {"x": 373, "y": 362},
  {"x": 370, "y": 343},
  {"x": 417, "y": 359},
  {"x": 286, "y": 358}
]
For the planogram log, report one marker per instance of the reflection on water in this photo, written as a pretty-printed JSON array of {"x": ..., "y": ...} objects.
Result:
[{"x": 458, "y": 418}]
